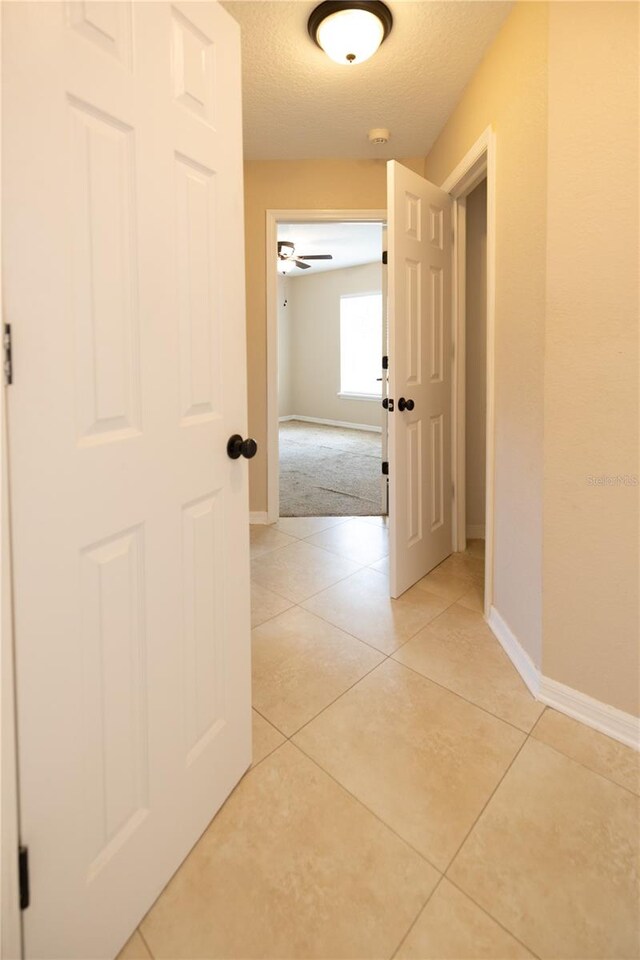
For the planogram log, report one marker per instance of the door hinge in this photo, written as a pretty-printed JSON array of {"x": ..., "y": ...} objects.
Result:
[
  {"x": 23, "y": 877},
  {"x": 385, "y": 363},
  {"x": 7, "y": 354},
  {"x": 385, "y": 468},
  {"x": 385, "y": 257}
]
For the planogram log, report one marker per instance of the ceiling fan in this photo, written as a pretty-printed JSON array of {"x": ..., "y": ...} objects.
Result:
[{"x": 286, "y": 253}]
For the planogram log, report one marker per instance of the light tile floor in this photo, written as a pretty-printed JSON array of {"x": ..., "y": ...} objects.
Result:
[{"x": 408, "y": 798}]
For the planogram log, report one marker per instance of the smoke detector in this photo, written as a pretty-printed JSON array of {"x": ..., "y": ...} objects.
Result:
[{"x": 378, "y": 135}]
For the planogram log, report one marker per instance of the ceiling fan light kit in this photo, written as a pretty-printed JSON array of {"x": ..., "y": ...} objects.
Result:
[
  {"x": 288, "y": 259},
  {"x": 350, "y": 31}
]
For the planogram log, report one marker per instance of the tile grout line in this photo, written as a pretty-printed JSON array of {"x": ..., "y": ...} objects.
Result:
[
  {"x": 367, "y": 643},
  {"x": 269, "y": 722},
  {"x": 266, "y": 756},
  {"x": 417, "y": 917},
  {"x": 391, "y": 656},
  {"x": 486, "y": 803},
  {"x": 471, "y": 703},
  {"x": 269, "y": 619},
  {"x": 579, "y": 763},
  {"x": 490, "y": 915},
  {"x": 470, "y": 831},
  {"x": 358, "y": 567},
  {"x": 335, "y": 699},
  {"x": 142, "y": 937},
  {"x": 364, "y": 806}
]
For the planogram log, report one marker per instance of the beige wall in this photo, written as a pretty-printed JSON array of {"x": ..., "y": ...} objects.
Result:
[
  {"x": 476, "y": 358},
  {"x": 292, "y": 185},
  {"x": 509, "y": 91},
  {"x": 314, "y": 348},
  {"x": 591, "y": 577}
]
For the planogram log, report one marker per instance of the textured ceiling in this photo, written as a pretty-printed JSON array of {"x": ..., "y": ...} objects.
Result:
[
  {"x": 298, "y": 104},
  {"x": 350, "y": 244}
]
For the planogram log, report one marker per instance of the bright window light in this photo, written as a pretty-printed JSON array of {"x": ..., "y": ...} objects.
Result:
[{"x": 361, "y": 345}]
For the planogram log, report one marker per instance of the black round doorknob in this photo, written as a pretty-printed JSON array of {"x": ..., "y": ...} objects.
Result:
[
  {"x": 405, "y": 404},
  {"x": 237, "y": 447}
]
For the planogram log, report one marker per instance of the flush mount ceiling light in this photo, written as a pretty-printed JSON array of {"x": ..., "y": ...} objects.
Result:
[{"x": 350, "y": 31}]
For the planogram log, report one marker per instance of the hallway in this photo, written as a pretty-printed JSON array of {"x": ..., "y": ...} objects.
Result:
[{"x": 408, "y": 798}]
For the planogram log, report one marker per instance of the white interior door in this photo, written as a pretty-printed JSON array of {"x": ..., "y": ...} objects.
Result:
[
  {"x": 419, "y": 317},
  {"x": 384, "y": 479},
  {"x": 123, "y": 258}
]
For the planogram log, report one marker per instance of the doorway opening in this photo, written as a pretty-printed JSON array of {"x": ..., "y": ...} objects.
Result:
[
  {"x": 331, "y": 337},
  {"x": 475, "y": 363},
  {"x": 326, "y": 340},
  {"x": 472, "y": 187}
]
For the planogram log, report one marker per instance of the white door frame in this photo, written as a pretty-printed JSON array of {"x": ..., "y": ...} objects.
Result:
[
  {"x": 477, "y": 164},
  {"x": 274, "y": 217},
  {"x": 10, "y": 920}
]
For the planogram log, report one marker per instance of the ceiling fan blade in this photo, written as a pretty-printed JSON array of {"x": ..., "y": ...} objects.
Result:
[
  {"x": 303, "y": 266},
  {"x": 316, "y": 256}
]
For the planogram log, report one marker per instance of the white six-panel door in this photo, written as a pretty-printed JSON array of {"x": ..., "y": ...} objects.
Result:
[
  {"x": 123, "y": 259},
  {"x": 419, "y": 299}
]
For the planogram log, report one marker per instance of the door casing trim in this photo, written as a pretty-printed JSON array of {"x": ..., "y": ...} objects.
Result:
[
  {"x": 273, "y": 218},
  {"x": 477, "y": 164},
  {"x": 10, "y": 918}
]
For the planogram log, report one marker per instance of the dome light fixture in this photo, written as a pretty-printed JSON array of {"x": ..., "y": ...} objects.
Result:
[{"x": 350, "y": 31}]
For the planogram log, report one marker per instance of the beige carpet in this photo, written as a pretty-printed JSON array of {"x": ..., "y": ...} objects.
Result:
[{"x": 329, "y": 471}]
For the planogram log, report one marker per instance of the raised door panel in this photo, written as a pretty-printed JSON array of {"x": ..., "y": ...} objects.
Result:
[
  {"x": 104, "y": 275},
  {"x": 413, "y": 217},
  {"x": 435, "y": 324},
  {"x": 193, "y": 67},
  {"x": 414, "y": 482},
  {"x": 413, "y": 313},
  {"x": 105, "y": 23},
  {"x": 199, "y": 322},
  {"x": 436, "y": 472},
  {"x": 203, "y": 557},
  {"x": 114, "y": 651}
]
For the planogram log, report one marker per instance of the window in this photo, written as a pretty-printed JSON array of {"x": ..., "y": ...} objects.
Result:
[{"x": 361, "y": 345}]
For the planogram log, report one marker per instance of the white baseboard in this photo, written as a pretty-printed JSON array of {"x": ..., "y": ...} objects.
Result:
[
  {"x": 475, "y": 531},
  {"x": 258, "y": 516},
  {"x": 333, "y": 423},
  {"x": 614, "y": 723},
  {"x": 516, "y": 653},
  {"x": 608, "y": 720}
]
